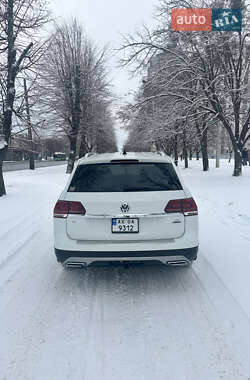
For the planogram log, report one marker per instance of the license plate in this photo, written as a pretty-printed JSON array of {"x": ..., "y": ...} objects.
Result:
[{"x": 125, "y": 225}]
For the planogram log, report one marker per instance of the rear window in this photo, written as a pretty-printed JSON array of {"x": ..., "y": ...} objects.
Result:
[{"x": 124, "y": 177}]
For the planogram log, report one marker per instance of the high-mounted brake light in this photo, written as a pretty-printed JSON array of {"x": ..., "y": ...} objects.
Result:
[
  {"x": 185, "y": 206},
  {"x": 64, "y": 208},
  {"x": 129, "y": 161}
]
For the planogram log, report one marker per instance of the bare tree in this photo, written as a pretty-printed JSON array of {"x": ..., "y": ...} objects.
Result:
[
  {"x": 96, "y": 115},
  {"x": 20, "y": 47},
  {"x": 73, "y": 83},
  {"x": 208, "y": 72}
]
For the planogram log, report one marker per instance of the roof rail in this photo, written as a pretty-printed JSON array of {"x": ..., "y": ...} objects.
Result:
[
  {"x": 89, "y": 154},
  {"x": 160, "y": 153}
]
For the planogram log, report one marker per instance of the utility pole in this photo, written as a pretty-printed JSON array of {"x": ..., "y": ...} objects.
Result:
[{"x": 31, "y": 146}]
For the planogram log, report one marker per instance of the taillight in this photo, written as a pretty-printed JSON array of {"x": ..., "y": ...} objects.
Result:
[
  {"x": 189, "y": 207},
  {"x": 76, "y": 208},
  {"x": 61, "y": 209},
  {"x": 186, "y": 206},
  {"x": 64, "y": 208}
]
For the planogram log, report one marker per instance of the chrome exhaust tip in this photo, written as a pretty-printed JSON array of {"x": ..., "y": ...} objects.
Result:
[
  {"x": 178, "y": 263},
  {"x": 75, "y": 265}
]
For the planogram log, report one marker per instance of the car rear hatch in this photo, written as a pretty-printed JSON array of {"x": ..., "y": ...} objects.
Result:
[{"x": 116, "y": 191}]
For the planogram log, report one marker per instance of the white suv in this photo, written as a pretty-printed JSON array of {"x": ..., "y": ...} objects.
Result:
[{"x": 125, "y": 207}]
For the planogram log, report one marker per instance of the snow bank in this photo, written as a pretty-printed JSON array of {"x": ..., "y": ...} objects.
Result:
[
  {"x": 29, "y": 203},
  {"x": 224, "y": 210}
]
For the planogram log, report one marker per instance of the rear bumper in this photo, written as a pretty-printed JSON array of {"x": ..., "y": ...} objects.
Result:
[{"x": 164, "y": 256}]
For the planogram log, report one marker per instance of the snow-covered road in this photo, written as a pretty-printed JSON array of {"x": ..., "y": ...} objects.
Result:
[{"x": 111, "y": 323}]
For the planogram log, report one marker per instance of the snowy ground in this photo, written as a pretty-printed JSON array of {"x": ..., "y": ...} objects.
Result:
[{"x": 110, "y": 323}]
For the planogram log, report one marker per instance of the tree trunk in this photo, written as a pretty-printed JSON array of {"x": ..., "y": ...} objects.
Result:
[
  {"x": 27, "y": 108},
  {"x": 185, "y": 152},
  {"x": 185, "y": 155},
  {"x": 72, "y": 154},
  {"x": 190, "y": 153},
  {"x": 13, "y": 66},
  {"x": 205, "y": 161},
  {"x": 83, "y": 149},
  {"x": 2, "y": 186},
  {"x": 237, "y": 163},
  {"x": 10, "y": 89},
  {"x": 197, "y": 154},
  {"x": 218, "y": 147},
  {"x": 176, "y": 150}
]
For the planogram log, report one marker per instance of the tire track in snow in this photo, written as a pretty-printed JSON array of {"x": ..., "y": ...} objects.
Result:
[
  {"x": 17, "y": 249},
  {"x": 129, "y": 353},
  {"x": 19, "y": 225},
  {"x": 98, "y": 326},
  {"x": 173, "y": 346},
  {"x": 23, "y": 309},
  {"x": 39, "y": 332},
  {"x": 221, "y": 353},
  {"x": 233, "y": 320},
  {"x": 144, "y": 322},
  {"x": 15, "y": 256},
  {"x": 90, "y": 319}
]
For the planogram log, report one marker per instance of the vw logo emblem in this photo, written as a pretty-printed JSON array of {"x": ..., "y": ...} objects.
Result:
[{"x": 124, "y": 207}]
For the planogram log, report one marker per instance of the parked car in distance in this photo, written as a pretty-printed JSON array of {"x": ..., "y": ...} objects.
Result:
[
  {"x": 125, "y": 207},
  {"x": 59, "y": 156}
]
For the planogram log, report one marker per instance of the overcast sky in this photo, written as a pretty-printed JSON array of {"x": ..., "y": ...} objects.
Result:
[{"x": 104, "y": 21}]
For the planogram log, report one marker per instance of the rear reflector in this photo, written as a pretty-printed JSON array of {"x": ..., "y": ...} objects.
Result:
[
  {"x": 186, "y": 206},
  {"x": 64, "y": 208}
]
